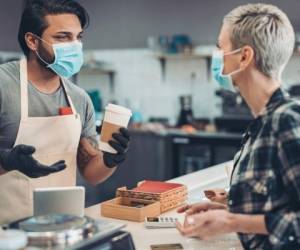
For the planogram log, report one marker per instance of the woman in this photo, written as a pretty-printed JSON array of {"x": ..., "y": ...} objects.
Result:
[{"x": 255, "y": 43}]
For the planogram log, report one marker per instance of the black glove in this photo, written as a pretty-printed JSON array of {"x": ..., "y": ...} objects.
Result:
[
  {"x": 20, "y": 158},
  {"x": 120, "y": 144}
]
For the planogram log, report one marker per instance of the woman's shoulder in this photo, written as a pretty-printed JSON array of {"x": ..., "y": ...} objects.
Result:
[{"x": 286, "y": 116}]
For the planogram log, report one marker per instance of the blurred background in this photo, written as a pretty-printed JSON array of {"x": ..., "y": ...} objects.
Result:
[{"x": 154, "y": 56}]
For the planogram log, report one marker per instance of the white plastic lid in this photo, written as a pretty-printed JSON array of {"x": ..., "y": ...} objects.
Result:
[
  {"x": 12, "y": 239},
  {"x": 118, "y": 109}
]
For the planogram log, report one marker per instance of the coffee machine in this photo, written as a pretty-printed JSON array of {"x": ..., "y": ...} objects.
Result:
[
  {"x": 186, "y": 113},
  {"x": 236, "y": 115}
]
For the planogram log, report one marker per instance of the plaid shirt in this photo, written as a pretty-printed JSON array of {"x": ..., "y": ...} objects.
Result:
[{"x": 266, "y": 175}]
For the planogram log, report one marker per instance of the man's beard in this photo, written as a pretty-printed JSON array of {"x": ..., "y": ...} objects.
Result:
[{"x": 44, "y": 59}]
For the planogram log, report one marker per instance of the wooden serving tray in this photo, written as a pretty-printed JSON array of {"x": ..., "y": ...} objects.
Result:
[{"x": 131, "y": 209}]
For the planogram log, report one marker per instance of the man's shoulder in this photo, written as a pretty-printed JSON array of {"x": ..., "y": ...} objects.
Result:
[
  {"x": 9, "y": 67},
  {"x": 9, "y": 72}
]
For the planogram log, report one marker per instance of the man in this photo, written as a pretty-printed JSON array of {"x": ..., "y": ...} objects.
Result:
[
  {"x": 255, "y": 43},
  {"x": 47, "y": 124}
]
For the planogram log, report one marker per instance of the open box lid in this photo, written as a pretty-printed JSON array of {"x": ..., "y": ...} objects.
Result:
[{"x": 157, "y": 187}]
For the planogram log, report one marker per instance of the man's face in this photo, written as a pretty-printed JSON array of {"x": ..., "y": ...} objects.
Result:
[
  {"x": 61, "y": 28},
  {"x": 231, "y": 62}
]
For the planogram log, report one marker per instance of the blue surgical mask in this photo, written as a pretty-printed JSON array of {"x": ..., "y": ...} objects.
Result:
[
  {"x": 217, "y": 67},
  {"x": 68, "y": 58}
]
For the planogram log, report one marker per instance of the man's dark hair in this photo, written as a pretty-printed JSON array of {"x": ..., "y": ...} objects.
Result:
[{"x": 33, "y": 17}]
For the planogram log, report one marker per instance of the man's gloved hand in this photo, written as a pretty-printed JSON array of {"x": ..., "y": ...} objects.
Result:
[
  {"x": 20, "y": 158},
  {"x": 121, "y": 145}
]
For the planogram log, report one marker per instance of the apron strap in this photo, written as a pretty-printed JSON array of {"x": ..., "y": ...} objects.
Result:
[
  {"x": 68, "y": 97},
  {"x": 24, "y": 91}
]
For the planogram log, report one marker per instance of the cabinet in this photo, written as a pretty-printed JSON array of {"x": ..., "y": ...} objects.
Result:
[{"x": 163, "y": 156}]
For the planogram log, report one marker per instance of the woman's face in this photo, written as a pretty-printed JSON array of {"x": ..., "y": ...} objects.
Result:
[{"x": 231, "y": 61}]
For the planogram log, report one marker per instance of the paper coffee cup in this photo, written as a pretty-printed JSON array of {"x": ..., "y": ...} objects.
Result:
[{"x": 115, "y": 117}]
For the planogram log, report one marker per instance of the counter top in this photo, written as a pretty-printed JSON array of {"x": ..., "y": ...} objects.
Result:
[
  {"x": 201, "y": 134},
  {"x": 196, "y": 182}
]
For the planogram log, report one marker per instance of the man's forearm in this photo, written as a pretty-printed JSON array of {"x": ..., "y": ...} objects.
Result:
[
  {"x": 90, "y": 162},
  {"x": 95, "y": 171},
  {"x": 249, "y": 224}
]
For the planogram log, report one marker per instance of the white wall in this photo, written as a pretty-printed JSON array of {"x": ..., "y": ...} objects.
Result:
[
  {"x": 139, "y": 80},
  {"x": 291, "y": 75}
]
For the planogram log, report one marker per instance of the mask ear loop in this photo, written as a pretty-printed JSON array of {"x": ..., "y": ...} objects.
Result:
[
  {"x": 230, "y": 53},
  {"x": 234, "y": 72},
  {"x": 38, "y": 55},
  {"x": 36, "y": 52}
]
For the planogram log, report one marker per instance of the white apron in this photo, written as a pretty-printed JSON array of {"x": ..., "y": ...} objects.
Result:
[{"x": 55, "y": 138}]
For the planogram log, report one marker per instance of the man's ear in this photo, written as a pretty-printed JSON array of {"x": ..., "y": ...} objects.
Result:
[
  {"x": 247, "y": 57},
  {"x": 31, "y": 41}
]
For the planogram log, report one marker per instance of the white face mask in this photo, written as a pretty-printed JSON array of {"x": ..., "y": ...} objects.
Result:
[{"x": 217, "y": 67}]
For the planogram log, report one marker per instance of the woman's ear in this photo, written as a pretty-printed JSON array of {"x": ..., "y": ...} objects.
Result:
[
  {"x": 247, "y": 57},
  {"x": 31, "y": 41}
]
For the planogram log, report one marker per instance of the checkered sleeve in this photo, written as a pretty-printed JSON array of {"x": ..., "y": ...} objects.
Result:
[{"x": 284, "y": 227}]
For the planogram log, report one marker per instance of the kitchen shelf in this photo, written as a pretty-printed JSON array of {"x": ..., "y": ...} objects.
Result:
[
  {"x": 100, "y": 71},
  {"x": 164, "y": 57}
]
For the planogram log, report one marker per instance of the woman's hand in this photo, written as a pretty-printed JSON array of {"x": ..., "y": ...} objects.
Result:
[
  {"x": 206, "y": 225},
  {"x": 200, "y": 207}
]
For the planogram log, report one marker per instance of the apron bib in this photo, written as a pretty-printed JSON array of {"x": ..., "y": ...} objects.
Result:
[{"x": 55, "y": 138}]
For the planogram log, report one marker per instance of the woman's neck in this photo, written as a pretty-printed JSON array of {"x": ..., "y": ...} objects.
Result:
[
  {"x": 257, "y": 90},
  {"x": 42, "y": 78}
]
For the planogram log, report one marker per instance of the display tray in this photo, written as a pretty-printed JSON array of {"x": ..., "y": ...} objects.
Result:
[{"x": 132, "y": 209}]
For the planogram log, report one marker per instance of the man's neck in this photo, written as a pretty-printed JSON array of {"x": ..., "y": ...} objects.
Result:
[
  {"x": 257, "y": 90},
  {"x": 41, "y": 77}
]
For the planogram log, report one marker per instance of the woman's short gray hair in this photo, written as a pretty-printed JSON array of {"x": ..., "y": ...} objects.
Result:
[{"x": 268, "y": 31}]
